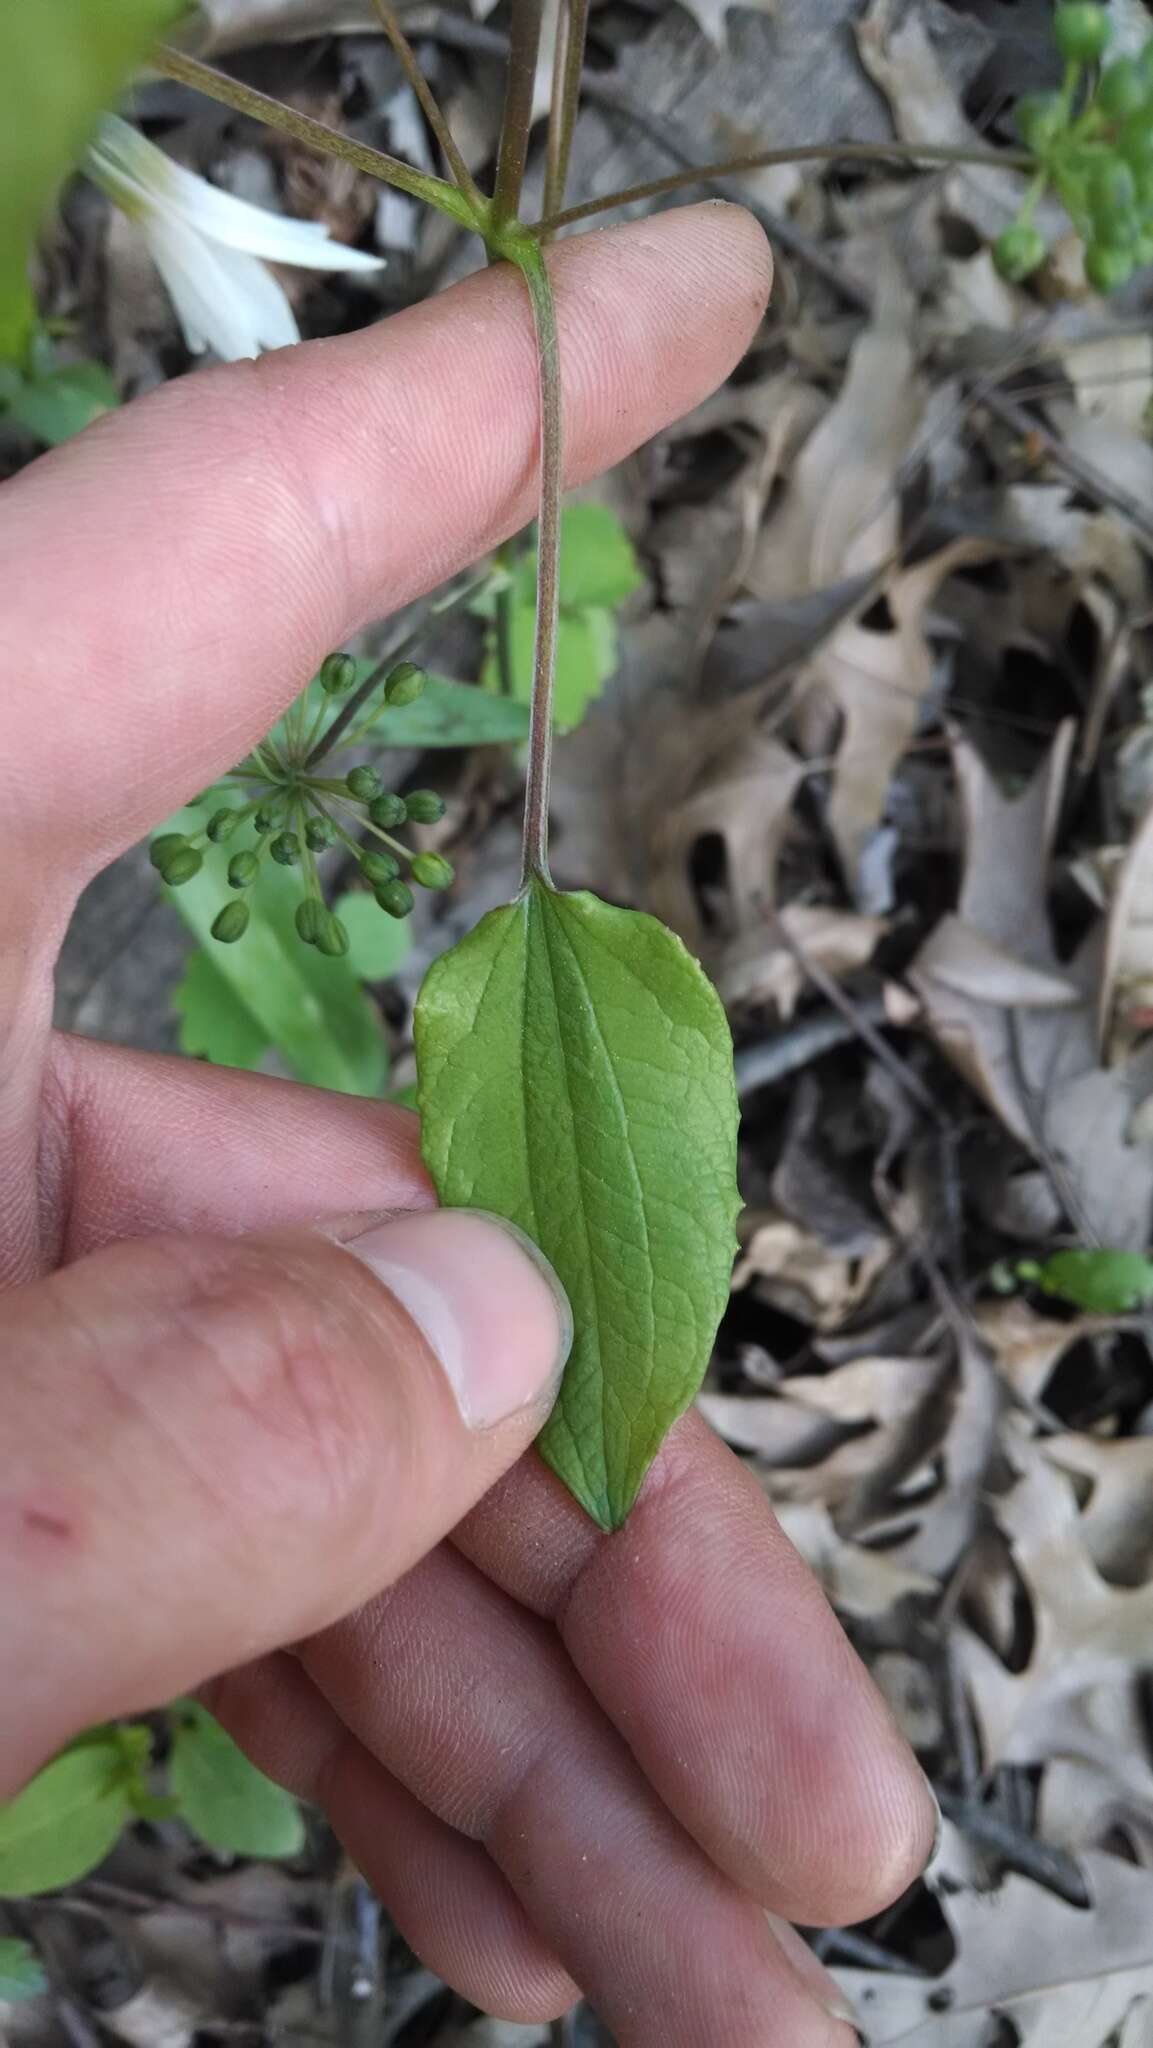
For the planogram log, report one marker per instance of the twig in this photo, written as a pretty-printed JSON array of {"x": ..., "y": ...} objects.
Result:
[
  {"x": 1029, "y": 425},
  {"x": 97, "y": 1891},
  {"x": 567, "y": 77},
  {"x": 861, "y": 1023},
  {"x": 822, "y": 1031},
  {"x": 1050, "y": 1867},
  {"x": 858, "y": 1948}
]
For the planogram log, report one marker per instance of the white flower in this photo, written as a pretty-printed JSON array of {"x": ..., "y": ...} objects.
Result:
[{"x": 208, "y": 245}]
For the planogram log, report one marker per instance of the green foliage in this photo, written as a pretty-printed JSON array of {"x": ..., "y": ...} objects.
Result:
[
  {"x": 310, "y": 1006},
  {"x": 51, "y": 402},
  {"x": 598, "y": 571},
  {"x": 20, "y": 1973},
  {"x": 576, "y": 1076},
  {"x": 1104, "y": 1283},
  {"x": 376, "y": 945},
  {"x": 446, "y": 714},
  {"x": 222, "y": 1797},
  {"x": 61, "y": 62},
  {"x": 1093, "y": 143},
  {"x": 68, "y": 1818}
]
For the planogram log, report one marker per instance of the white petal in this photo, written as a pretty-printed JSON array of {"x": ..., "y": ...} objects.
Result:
[
  {"x": 225, "y": 300},
  {"x": 141, "y": 177}
]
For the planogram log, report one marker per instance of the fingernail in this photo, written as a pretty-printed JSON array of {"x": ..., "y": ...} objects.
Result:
[
  {"x": 485, "y": 1299},
  {"x": 811, "y": 1971}
]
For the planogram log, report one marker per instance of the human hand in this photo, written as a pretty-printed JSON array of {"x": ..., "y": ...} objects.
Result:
[{"x": 563, "y": 1759}]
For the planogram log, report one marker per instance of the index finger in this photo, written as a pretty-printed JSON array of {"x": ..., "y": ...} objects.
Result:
[{"x": 174, "y": 576}]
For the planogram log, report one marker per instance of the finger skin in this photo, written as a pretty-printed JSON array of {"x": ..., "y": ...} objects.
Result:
[
  {"x": 707, "y": 1640},
  {"x": 204, "y": 549},
  {"x": 215, "y": 1445},
  {"x": 241, "y": 1152},
  {"x": 468, "y": 1701}
]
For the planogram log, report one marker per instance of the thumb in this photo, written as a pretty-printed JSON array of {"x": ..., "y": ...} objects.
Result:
[{"x": 217, "y": 1446}]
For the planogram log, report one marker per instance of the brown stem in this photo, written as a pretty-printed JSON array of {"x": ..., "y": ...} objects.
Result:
[
  {"x": 572, "y": 29},
  {"x": 535, "y": 842},
  {"x": 516, "y": 121},
  {"x": 313, "y": 134},
  {"x": 813, "y": 152},
  {"x": 462, "y": 176}
]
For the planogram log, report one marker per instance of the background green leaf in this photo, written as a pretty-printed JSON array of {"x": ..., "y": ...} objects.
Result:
[
  {"x": 449, "y": 714},
  {"x": 67, "y": 1819},
  {"x": 1105, "y": 1283},
  {"x": 222, "y": 1797},
  {"x": 377, "y": 944},
  {"x": 215, "y": 1024},
  {"x": 61, "y": 62},
  {"x": 598, "y": 564},
  {"x": 576, "y": 1076},
  {"x": 312, "y": 1009},
  {"x": 598, "y": 571},
  {"x": 55, "y": 403},
  {"x": 20, "y": 1973}
]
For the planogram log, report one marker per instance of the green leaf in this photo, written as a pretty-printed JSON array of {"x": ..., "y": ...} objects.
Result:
[
  {"x": 61, "y": 62},
  {"x": 60, "y": 402},
  {"x": 20, "y": 1973},
  {"x": 311, "y": 1008},
  {"x": 65, "y": 1822},
  {"x": 222, "y": 1797},
  {"x": 216, "y": 1025},
  {"x": 585, "y": 659},
  {"x": 576, "y": 1076},
  {"x": 377, "y": 944},
  {"x": 598, "y": 564},
  {"x": 1105, "y": 1283},
  {"x": 449, "y": 714}
]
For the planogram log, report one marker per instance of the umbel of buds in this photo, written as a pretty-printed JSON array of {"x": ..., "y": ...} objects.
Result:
[
  {"x": 288, "y": 803},
  {"x": 1092, "y": 142}
]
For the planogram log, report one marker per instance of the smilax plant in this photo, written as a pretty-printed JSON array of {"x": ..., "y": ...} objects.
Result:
[{"x": 575, "y": 1067}]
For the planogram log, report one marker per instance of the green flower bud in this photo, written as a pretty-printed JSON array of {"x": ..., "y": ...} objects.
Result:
[
  {"x": 433, "y": 871},
  {"x": 1040, "y": 119},
  {"x": 1122, "y": 89},
  {"x": 1019, "y": 252},
  {"x": 162, "y": 849},
  {"x": 378, "y": 868},
  {"x": 395, "y": 897},
  {"x": 1082, "y": 31},
  {"x": 231, "y": 923},
  {"x": 181, "y": 865},
  {"x": 319, "y": 833},
  {"x": 1112, "y": 190},
  {"x": 222, "y": 825},
  {"x": 388, "y": 811},
  {"x": 337, "y": 674},
  {"x": 1135, "y": 143},
  {"x": 1107, "y": 269},
  {"x": 243, "y": 869},
  {"x": 404, "y": 683},
  {"x": 363, "y": 783},
  {"x": 285, "y": 849},
  {"x": 310, "y": 916},
  {"x": 265, "y": 818},
  {"x": 424, "y": 806},
  {"x": 331, "y": 936}
]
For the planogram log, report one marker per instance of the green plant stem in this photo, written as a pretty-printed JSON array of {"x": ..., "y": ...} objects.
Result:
[
  {"x": 516, "y": 119},
  {"x": 572, "y": 30},
  {"x": 462, "y": 176},
  {"x": 314, "y": 134},
  {"x": 530, "y": 259},
  {"x": 814, "y": 152}
]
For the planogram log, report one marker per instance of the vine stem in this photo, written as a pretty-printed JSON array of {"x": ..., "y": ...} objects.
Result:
[
  {"x": 534, "y": 856},
  {"x": 572, "y": 33},
  {"x": 516, "y": 118},
  {"x": 811, "y": 152},
  {"x": 217, "y": 85}
]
